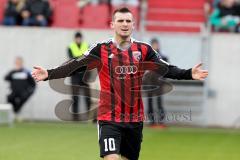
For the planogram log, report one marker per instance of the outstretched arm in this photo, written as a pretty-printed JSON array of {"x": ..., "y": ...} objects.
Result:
[
  {"x": 90, "y": 60},
  {"x": 173, "y": 72}
]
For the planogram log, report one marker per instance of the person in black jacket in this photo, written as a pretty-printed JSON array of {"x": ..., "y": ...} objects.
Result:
[
  {"x": 22, "y": 85},
  {"x": 12, "y": 12},
  {"x": 36, "y": 13}
]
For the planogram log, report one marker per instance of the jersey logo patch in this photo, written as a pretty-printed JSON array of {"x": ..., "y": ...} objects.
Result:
[
  {"x": 111, "y": 56},
  {"x": 137, "y": 55}
]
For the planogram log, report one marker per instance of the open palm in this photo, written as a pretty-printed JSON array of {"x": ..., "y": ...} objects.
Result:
[
  {"x": 39, "y": 73},
  {"x": 198, "y": 73}
]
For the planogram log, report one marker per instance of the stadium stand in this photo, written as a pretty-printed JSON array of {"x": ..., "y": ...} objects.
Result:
[
  {"x": 66, "y": 14},
  {"x": 90, "y": 17},
  {"x": 175, "y": 16}
]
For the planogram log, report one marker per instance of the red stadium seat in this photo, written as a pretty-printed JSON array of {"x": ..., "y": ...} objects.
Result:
[
  {"x": 65, "y": 13},
  {"x": 174, "y": 29},
  {"x": 95, "y": 16},
  {"x": 183, "y": 4},
  {"x": 183, "y": 17},
  {"x": 179, "y": 15}
]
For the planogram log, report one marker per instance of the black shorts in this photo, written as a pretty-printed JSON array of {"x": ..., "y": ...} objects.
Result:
[{"x": 120, "y": 138}]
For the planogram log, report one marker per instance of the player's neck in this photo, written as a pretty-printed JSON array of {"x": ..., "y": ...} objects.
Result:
[
  {"x": 122, "y": 42},
  {"x": 119, "y": 40}
]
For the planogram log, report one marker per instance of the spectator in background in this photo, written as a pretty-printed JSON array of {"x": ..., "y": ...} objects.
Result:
[
  {"x": 156, "y": 46},
  {"x": 22, "y": 85},
  {"x": 226, "y": 16},
  {"x": 156, "y": 117},
  {"x": 36, "y": 13},
  {"x": 76, "y": 50},
  {"x": 12, "y": 12},
  {"x": 208, "y": 6}
]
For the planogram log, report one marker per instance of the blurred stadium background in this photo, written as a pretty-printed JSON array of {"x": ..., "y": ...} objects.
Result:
[{"x": 212, "y": 129}]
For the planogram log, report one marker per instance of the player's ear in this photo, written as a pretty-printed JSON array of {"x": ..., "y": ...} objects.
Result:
[
  {"x": 111, "y": 25},
  {"x": 133, "y": 26}
]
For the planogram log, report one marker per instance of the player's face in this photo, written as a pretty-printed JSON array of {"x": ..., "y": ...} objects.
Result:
[{"x": 123, "y": 24}]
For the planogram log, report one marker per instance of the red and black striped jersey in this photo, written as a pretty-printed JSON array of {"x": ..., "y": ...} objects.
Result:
[{"x": 120, "y": 74}]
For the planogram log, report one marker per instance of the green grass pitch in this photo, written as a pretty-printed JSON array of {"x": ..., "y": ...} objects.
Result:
[{"x": 63, "y": 141}]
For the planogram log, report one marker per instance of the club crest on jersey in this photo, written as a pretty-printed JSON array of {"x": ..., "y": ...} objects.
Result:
[
  {"x": 137, "y": 55},
  {"x": 111, "y": 56}
]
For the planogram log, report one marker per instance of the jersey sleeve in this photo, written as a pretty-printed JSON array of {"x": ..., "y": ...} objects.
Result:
[
  {"x": 90, "y": 60},
  {"x": 170, "y": 71}
]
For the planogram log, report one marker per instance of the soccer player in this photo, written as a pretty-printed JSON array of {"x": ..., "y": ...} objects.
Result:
[{"x": 121, "y": 62}]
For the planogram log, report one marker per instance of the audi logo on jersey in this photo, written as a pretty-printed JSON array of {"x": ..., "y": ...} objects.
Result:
[{"x": 126, "y": 69}]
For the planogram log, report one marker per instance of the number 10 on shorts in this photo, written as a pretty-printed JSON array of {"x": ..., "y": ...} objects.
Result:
[{"x": 109, "y": 144}]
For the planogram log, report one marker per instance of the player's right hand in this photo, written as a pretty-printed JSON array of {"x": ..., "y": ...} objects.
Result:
[{"x": 39, "y": 73}]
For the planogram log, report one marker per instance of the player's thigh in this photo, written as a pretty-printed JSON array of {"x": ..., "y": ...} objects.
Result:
[
  {"x": 109, "y": 139},
  {"x": 131, "y": 142}
]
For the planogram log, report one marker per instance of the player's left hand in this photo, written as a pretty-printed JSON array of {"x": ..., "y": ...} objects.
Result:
[{"x": 198, "y": 73}]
